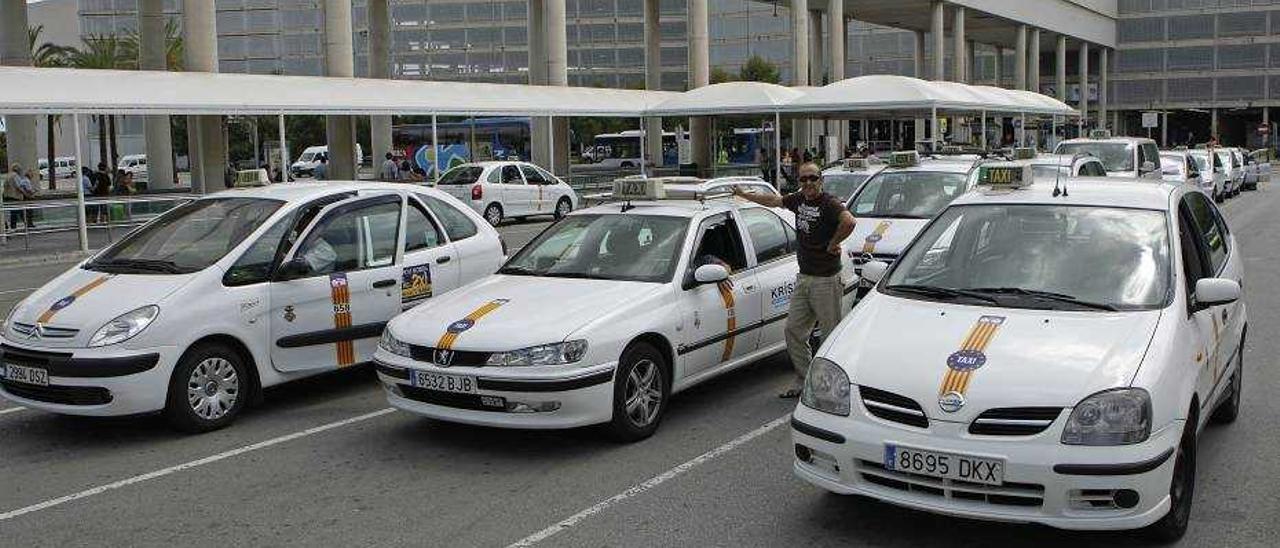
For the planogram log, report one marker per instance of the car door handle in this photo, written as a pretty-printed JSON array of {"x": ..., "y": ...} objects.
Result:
[
  {"x": 383, "y": 283},
  {"x": 444, "y": 259}
]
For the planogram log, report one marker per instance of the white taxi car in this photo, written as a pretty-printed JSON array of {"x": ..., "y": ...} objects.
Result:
[
  {"x": 848, "y": 176},
  {"x": 1208, "y": 164},
  {"x": 197, "y": 311},
  {"x": 601, "y": 318},
  {"x": 504, "y": 190},
  {"x": 1063, "y": 352},
  {"x": 1126, "y": 157},
  {"x": 1181, "y": 168}
]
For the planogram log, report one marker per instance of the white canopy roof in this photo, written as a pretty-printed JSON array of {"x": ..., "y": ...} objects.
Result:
[
  {"x": 884, "y": 93},
  {"x": 729, "y": 98}
]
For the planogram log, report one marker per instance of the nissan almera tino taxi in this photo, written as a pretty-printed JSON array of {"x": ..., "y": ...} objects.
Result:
[
  {"x": 197, "y": 311},
  {"x": 1036, "y": 356},
  {"x": 601, "y": 318}
]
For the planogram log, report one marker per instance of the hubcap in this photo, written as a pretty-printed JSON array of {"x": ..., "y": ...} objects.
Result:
[
  {"x": 563, "y": 209},
  {"x": 644, "y": 393},
  {"x": 494, "y": 216},
  {"x": 213, "y": 388}
]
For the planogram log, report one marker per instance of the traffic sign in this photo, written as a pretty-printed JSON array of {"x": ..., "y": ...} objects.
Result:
[{"x": 1150, "y": 119}]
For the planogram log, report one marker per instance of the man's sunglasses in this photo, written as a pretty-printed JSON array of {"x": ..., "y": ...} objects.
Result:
[{"x": 809, "y": 178}]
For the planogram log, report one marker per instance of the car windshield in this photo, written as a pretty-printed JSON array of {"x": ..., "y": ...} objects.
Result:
[
  {"x": 907, "y": 194},
  {"x": 1114, "y": 156},
  {"x": 187, "y": 238},
  {"x": 1040, "y": 256},
  {"x": 842, "y": 184},
  {"x": 461, "y": 175},
  {"x": 643, "y": 248},
  {"x": 307, "y": 156}
]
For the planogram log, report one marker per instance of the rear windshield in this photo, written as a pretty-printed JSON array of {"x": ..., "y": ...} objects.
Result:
[
  {"x": 461, "y": 175},
  {"x": 1114, "y": 156}
]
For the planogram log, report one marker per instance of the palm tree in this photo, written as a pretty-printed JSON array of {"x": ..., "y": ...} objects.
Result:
[
  {"x": 104, "y": 52},
  {"x": 47, "y": 55}
]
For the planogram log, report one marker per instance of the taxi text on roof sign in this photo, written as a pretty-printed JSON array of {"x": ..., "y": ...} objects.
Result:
[
  {"x": 903, "y": 159},
  {"x": 1004, "y": 175},
  {"x": 638, "y": 189}
]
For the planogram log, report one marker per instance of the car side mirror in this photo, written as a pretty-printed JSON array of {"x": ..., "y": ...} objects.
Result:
[
  {"x": 873, "y": 271},
  {"x": 1216, "y": 291},
  {"x": 297, "y": 267},
  {"x": 1148, "y": 166},
  {"x": 710, "y": 273}
]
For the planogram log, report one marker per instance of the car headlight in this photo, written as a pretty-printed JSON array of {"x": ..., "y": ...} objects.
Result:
[
  {"x": 125, "y": 326},
  {"x": 4, "y": 326},
  {"x": 393, "y": 345},
  {"x": 826, "y": 388},
  {"x": 546, "y": 354},
  {"x": 1112, "y": 417}
]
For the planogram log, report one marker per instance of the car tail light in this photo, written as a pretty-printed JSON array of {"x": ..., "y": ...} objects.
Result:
[{"x": 477, "y": 192}]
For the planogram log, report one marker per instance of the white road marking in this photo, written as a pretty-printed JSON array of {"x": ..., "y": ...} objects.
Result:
[
  {"x": 11, "y": 410},
  {"x": 189, "y": 465},
  {"x": 648, "y": 484}
]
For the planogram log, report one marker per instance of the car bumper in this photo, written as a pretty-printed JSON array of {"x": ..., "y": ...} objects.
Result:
[
  {"x": 109, "y": 381},
  {"x": 1045, "y": 482},
  {"x": 567, "y": 399}
]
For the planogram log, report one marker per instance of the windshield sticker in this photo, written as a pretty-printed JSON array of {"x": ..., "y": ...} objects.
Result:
[
  {"x": 726, "y": 297},
  {"x": 456, "y": 328},
  {"x": 869, "y": 245},
  {"x": 340, "y": 294},
  {"x": 66, "y": 301},
  {"x": 969, "y": 358},
  {"x": 415, "y": 285}
]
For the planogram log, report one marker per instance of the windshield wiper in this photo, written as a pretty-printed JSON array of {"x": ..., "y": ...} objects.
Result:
[
  {"x": 149, "y": 265},
  {"x": 942, "y": 292},
  {"x": 577, "y": 275},
  {"x": 1046, "y": 295},
  {"x": 517, "y": 271}
]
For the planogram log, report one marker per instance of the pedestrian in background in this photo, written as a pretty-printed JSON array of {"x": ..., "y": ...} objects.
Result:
[
  {"x": 13, "y": 193},
  {"x": 390, "y": 171},
  {"x": 322, "y": 169},
  {"x": 822, "y": 223}
]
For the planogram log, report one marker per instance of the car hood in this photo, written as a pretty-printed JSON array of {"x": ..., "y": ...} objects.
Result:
[
  {"x": 1031, "y": 358},
  {"x": 504, "y": 312},
  {"x": 882, "y": 236},
  {"x": 85, "y": 300}
]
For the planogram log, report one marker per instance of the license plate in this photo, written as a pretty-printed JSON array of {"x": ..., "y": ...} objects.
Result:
[
  {"x": 458, "y": 384},
  {"x": 944, "y": 465},
  {"x": 27, "y": 375}
]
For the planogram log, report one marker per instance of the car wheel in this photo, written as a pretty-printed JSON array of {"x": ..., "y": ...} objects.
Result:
[
  {"x": 563, "y": 207},
  {"x": 1181, "y": 490},
  {"x": 493, "y": 214},
  {"x": 640, "y": 391},
  {"x": 1217, "y": 198},
  {"x": 1229, "y": 409},
  {"x": 208, "y": 389}
]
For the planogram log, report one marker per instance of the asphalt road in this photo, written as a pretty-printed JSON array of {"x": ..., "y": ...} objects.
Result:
[{"x": 323, "y": 462}]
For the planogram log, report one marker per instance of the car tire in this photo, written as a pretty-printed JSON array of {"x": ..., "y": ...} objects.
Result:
[
  {"x": 1229, "y": 409},
  {"x": 1217, "y": 198},
  {"x": 208, "y": 389},
  {"x": 1182, "y": 488},
  {"x": 563, "y": 207},
  {"x": 493, "y": 214},
  {"x": 640, "y": 393}
]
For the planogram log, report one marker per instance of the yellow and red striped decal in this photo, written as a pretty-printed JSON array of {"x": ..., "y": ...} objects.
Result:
[
  {"x": 340, "y": 294},
  {"x": 66, "y": 301},
  {"x": 455, "y": 329},
  {"x": 962, "y": 363},
  {"x": 869, "y": 245},
  {"x": 726, "y": 296}
]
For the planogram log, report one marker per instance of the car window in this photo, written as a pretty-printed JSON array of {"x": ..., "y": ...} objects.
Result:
[
  {"x": 511, "y": 175},
  {"x": 255, "y": 265},
  {"x": 1093, "y": 169},
  {"x": 1192, "y": 169},
  {"x": 494, "y": 176},
  {"x": 768, "y": 234},
  {"x": 1208, "y": 229},
  {"x": 534, "y": 176},
  {"x": 461, "y": 175},
  {"x": 1151, "y": 153},
  {"x": 456, "y": 223},
  {"x": 421, "y": 231},
  {"x": 1192, "y": 261},
  {"x": 720, "y": 241},
  {"x": 355, "y": 239}
]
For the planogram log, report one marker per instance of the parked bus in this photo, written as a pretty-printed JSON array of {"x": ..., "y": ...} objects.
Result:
[{"x": 622, "y": 150}]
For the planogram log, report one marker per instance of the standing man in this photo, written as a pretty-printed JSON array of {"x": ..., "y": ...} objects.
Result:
[
  {"x": 822, "y": 222},
  {"x": 321, "y": 172},
  {"x": 390, "y": 171}
]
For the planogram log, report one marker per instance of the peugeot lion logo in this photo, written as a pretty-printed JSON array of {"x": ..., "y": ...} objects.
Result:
[
  {"x": 951, "y": 401},
  {"x": 442, "y": 357}
]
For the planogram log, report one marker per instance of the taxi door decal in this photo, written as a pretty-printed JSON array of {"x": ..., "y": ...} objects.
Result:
[
  {"x": 869, "y": 245},
  {"x": 455, "y": 329},
  {"x": 726, "y": 297},
  {"x": 66, "y": 301},
  {"x": 340, "y": 294},
  {"x": 962, "y": 363},
  {"x": 415, "y": 285}
]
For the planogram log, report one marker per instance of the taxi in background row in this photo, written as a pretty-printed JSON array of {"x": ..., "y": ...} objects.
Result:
[
  {"x": 602, "y": 317},
  {"x": 1040, "y": 353},
  {"x": 847, "y": 176},
  {"x": 501, "y": 190},
  {"x": 197, "y": 311},
  {"x": 1124, "y": 157}
]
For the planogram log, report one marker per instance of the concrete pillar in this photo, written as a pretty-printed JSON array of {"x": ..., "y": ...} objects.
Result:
[
  {"x": 339, "y": 61},
  {"x": 959, "y": 59},
  {"x": 1033, "y": 61},
  {"x": 999, "y": 66},
  {"x": 1102, "y": 86},
  {"x": 937, "y": 30},
  {"x": 207, "y": 149},
  {"x": 379, "y": 67},
  {"x": 540, "y": 129},
  {"x": 699, "y": 75},
  {"x": 919, "y": 61},
  {"x": 1060, "y": 66},
  {"x": 1213, "y": 123},
  {"x": 653, "y": 76},
  {"x": 152, "y": 55},
  {"x": 1020, "y": 59},
  {"x": 971, "y": 60},
  {"x": 800, "y": 64},
  {"x": 1084, "y": 84},
  {"x": 558, "y": 75},
  {"x": 836, "y": 33},
  {"x": 817, "y": 51},
  {"x": 16, "y": 52}
]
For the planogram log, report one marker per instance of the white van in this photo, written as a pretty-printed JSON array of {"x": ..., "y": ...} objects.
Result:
[
  {"x": 135, "y": 164},
  {"x": 310, "y": 158}
]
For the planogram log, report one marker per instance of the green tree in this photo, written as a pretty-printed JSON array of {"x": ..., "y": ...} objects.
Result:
[
  {"x": 720, "y": 75},
  {"x": 47, "y": 55},
  {"x": 758, "y": 69}
]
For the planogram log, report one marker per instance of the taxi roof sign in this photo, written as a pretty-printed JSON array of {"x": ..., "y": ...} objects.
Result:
[
  {"x": 856, "y": 163},
  {"x": 1024, "y": 153},
  {"x": 1099, "y": 134},
  {"x": 907, "y": 158},
  {"x": 251, "y": 177},
  {"x": 1004, "y": 175},
  {"x": 639, "y": 189}
]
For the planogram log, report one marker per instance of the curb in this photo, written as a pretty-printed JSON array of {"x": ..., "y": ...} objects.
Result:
[{"x": 22, "y": 258}]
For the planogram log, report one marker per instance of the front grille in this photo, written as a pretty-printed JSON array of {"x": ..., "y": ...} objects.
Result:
[
  {"x": 460, "y": 358},
  {"x": 474, "y": 402},
  {"x": 893, "y": 407},
  {"x": 46, "y": 331},
  {"x": 1014, "y": 421},
  {"x": 1005, "y": 494},
  {"x": 65, "y": 395}
]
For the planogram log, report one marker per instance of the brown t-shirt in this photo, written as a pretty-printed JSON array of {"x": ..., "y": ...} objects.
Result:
[{"x": 816, "y": 223}]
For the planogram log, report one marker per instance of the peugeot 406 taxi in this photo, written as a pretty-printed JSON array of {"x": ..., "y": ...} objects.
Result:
[
  {"x": 199, "y": 309},
  {"x": 601, "y": 318},
  {"x": 1042, "y": 354}
]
